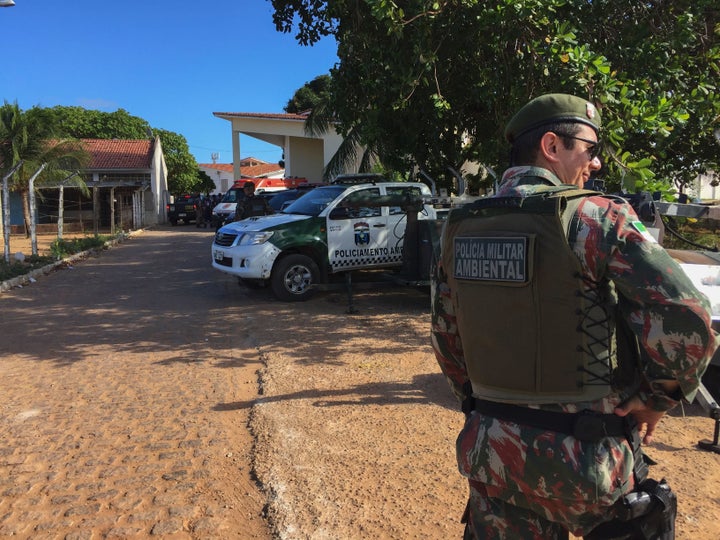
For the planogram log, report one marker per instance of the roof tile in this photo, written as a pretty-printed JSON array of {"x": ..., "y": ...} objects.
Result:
[{"x": 120, "y": 153}]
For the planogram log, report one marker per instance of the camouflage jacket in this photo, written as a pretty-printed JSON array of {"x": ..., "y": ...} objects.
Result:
[
  {"x": 554, "y": 474},
  {"x": 252, "y": 206}
]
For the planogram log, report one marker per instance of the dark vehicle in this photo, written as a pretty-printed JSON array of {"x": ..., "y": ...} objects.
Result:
[
  {"x": 282, "y": 199},
  {"x": 183, "y": 209},
  {"x": 230, "y": 216}
]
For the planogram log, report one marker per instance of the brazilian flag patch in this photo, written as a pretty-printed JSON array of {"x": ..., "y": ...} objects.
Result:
[{"x": 639, "y": 226}]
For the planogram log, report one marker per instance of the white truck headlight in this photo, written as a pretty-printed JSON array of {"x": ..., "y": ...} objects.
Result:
[{"x": 255, "y": 238}]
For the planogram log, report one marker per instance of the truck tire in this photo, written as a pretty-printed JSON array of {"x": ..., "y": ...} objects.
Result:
[{"x": 293, "y": 276}]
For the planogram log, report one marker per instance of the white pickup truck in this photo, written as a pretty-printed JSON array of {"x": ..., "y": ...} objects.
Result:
[{"x": 333, "y": 228}]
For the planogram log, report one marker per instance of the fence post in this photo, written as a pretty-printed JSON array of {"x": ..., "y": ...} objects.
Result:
[
  {"x": 5, "y": 204},
  {"x": 33, "y": 209}
]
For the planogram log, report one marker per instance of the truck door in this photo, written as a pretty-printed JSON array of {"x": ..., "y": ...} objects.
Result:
[{"x": 358, "y": 235}]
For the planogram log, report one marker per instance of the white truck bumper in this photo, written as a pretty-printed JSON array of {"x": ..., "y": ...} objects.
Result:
[{"x": 246, "y": 262}]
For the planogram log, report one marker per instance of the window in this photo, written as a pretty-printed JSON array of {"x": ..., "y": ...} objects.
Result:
[
  {"x": 352, "y": 203},
  {"x": 411, "y": 192}
]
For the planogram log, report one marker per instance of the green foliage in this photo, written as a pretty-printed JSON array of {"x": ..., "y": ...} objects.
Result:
[
  {"x": 689, "y": 233},
  {"x": 181, "y": 164},
  {"x": 433, "y": 83},
  {"x": 64, "y": 248},
  {"x": 309, "y": 95},
  {"x": 667, "y": 191},
  {"x": 203, "y": 184},
  {"x": 83, "y": 123},
  {"x": 9, "y": 270},
  {"x": 27, "y": 137},
  {"x": 60, "y": 249}
]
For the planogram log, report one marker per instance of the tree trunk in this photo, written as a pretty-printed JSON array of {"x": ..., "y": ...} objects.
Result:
[{"x": 25, "y": 196}]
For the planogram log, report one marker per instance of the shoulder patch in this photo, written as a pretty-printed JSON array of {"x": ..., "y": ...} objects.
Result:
[{"x": 639, "y": 226}]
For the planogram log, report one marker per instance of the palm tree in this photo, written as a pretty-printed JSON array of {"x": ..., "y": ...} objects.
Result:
[
  {"x": 27, "y": 137},
  {"x": 319, "y": 122}
]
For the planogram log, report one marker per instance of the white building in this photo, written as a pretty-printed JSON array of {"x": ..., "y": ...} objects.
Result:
[{"x": 305, "y": 156}]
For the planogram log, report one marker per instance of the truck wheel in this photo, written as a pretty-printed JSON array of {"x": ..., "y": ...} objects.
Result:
[{"x": 292, "y": 277}]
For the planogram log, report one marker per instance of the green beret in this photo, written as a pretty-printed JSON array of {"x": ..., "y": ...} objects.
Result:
[{"x": 552, "y": 108}]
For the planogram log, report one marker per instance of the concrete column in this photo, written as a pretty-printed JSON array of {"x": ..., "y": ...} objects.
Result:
[{"x": 236, "y": 154}]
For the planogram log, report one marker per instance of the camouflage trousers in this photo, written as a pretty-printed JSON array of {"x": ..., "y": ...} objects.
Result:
[{"x": 489, "y": 518}]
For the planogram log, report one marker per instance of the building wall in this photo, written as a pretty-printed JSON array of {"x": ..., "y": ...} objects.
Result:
[
  {"x": 704, "y": 189},
  {"x": 223, "y": 179},
  {"x": 155, "y": 201},
  {"x": 304, "y": 158}
]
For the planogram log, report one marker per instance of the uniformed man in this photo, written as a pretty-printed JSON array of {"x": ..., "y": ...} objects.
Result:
[
  {"x": 567, "y": 332},
  {"x": 251, "y": 205}
]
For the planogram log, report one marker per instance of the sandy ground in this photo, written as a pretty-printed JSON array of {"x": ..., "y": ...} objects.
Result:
[
  {"x": 353, "y": 426},
  {"x": 21, "y": 243},
  {"x": 356, "y": 431}
]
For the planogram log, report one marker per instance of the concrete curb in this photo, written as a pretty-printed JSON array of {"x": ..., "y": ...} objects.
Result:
[{"x": 32, "y": 276}]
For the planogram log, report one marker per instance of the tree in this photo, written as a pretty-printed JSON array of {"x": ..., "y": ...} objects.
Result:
[
  {"x": 308, "y": 96},
  {"x": 433, "y": 83},
  {"x": 26, "y": 136},
  {"x": 181, "y": 165},
  {"x": 83, "y": 123},
  {"x": 203, "y": 183}
]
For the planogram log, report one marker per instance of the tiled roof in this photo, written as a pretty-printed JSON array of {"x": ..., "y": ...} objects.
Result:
[
  {"x": 258, "y": 171},
  {"x": 120, "y": 153},
  {"x": 224, "y": 167},
  {"x": 254, "y": 171}
]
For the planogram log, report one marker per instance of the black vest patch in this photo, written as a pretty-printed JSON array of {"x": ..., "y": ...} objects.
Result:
[{"x": 489, "y": 258}]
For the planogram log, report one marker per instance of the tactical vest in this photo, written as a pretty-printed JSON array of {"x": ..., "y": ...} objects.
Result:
[
  {"x": 533, "y": 329},
  {"x": 253, "y": 206}
]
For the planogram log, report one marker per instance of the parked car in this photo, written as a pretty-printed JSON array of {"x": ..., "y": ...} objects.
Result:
[
  {"x": 331, "y": 229},
  {"x": 282, "y": 199},
  {"x": 184, "y": 209}
]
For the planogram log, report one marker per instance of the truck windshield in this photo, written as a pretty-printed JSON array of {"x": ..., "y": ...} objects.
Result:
[
  {"x": 314, "y": 202},
  {"x": 232, "y": 195}
]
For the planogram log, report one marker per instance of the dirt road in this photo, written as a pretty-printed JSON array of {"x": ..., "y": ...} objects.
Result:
[
  {"x": 133, "y": 407},
  {"x": 116, "y": 373}
]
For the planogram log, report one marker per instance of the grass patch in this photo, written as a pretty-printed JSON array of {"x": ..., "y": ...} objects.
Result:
[
  {"x": 9, "y": 270},
  {"x": 64, "y": 248},
  {"x": 691, "y": 233},
  {"x": 60, "y": 249}
]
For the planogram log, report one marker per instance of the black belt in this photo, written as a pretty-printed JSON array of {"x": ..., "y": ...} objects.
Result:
[{"x": 585, "y": 426}]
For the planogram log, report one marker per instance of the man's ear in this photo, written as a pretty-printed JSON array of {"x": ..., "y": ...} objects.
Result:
[{"x": 549, "y": 146}]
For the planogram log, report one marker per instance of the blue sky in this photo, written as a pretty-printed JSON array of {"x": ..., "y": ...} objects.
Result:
[{"x": 172, "y": 63}]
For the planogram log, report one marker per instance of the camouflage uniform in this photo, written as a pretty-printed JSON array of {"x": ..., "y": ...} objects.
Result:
[
  {"x": 252, "y": 206},
  {"x": 530, "y": 483}
]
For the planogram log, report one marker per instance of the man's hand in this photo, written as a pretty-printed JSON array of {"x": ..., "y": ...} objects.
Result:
[{"x": 646, "y": 417}]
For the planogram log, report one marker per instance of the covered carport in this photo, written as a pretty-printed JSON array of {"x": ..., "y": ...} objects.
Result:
[{"x": 304, "y": 156}]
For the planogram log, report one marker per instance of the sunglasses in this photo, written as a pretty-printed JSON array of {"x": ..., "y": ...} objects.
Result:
[{"x": 594, "y": 150}]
